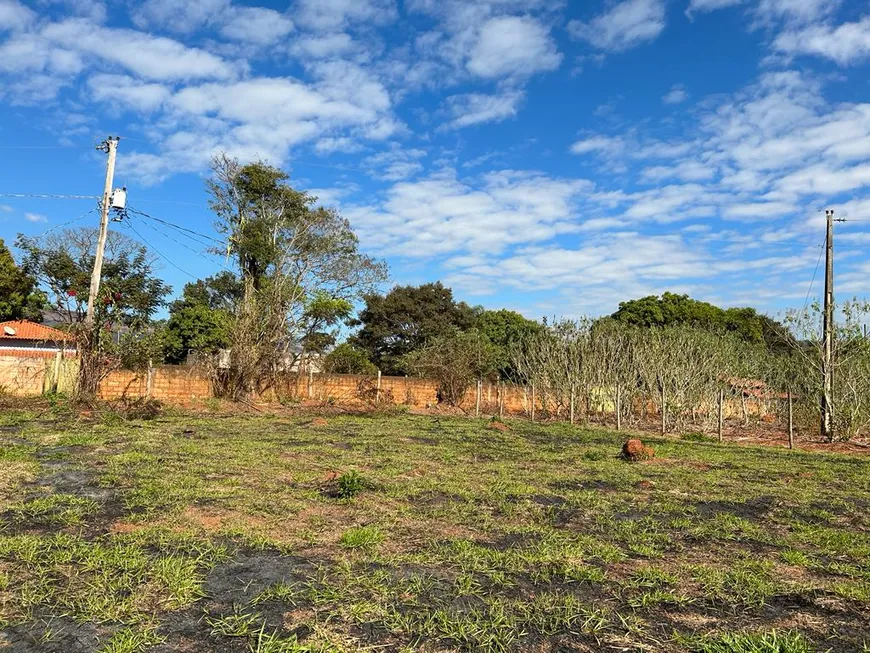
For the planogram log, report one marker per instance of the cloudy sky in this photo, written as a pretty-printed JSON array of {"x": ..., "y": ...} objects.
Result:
[{"x": 552, "y": 157}]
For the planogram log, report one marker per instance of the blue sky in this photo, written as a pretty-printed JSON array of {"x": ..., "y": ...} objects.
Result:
[{"x": 551, "y": 157}]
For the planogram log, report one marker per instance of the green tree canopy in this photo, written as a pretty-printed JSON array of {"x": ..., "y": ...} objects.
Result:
[
  {"x": 61, "y": 262},
  {"x": 347, "y": 359},
  {"x": 299, "y": 266},
  {"x": 672, "y": 309},
  {"x": 406, "y": 319},
  {"x": 201, "y": 319},
  {"x": 19, "y": 296},
  {"x": 503, "y": 328}
]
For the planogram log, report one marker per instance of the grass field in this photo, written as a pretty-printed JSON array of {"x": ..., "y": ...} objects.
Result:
[{"x": 403, "y": 533}]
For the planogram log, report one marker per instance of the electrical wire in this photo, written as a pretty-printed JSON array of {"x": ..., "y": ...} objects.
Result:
[
  {"x": 160, "y": 254},
  {"x": 68, "y": 222},
  {"x": 813, "y": 280},
  {"x": 174, "y": 226},
  {"x": 190, "y": 249},
  {"x": 47, "y": 196}
]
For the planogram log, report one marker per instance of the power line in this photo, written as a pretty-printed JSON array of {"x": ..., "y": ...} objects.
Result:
[
  {"x": 815, "y": 271},
  {"x": 68, "y": 222},
  {"x": 190, "y": 249},
  {"x": 174, "y": 226},
  {"x": 48, "y": 196},
  {"x": 159, "y": 253},
  {"x": 194, "y": 239}
]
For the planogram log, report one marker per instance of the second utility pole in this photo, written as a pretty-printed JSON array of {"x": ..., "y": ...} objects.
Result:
[
  {"x": 110, "y": 146},
  {"x": 827, "y": 423}
]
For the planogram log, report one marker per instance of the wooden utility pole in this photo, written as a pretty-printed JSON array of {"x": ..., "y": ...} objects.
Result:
[
  {"x": 110, "y": 146},
  {"x": 827, "y": 421}
]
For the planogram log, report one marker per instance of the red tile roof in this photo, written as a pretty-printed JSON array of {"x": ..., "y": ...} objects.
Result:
[{"x": 27, "y": 330}]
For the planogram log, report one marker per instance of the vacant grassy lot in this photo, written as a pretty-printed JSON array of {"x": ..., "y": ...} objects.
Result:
[{"x": 400, "y": 533}]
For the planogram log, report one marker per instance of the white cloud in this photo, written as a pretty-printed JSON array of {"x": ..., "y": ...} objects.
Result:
[
  {"x": 331, "y": 144},
  {"x": 626, "y": 25},
  {"x": 602, "y": 144},
  {"x": 334, "y": 15},
  {"x": 688, "y": 170},
  {"x": 799, "y": 12},
  {"x": 151, "y": 57},
  {"x": 134, "y": 94},
  {"x": 395, "y": 164},
  {"x": 845, "y": 44},
  {"x": 255, "y": 25},
  {"x": 477, "y": 108},
  {"x": 5, "y": 208},
  {"x": 93, "y": 10},
  {"x": 704, "y": 6},
  {"x": 443, "y": 214},
  {"x": 510, "y": 45},
  {"x": 27, "y": 53},
  {"x": 178, "y": 16},
  {"x": 325, "y": 46},
  {"x": 263, "y": 117},
  {"x": 14, "y": 15},
  {"x": 35, "y": 217},
  {"x": 676, "y": 95}
]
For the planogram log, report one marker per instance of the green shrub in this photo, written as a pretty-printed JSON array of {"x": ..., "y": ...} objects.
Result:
[{"x": 350, "y": 484}]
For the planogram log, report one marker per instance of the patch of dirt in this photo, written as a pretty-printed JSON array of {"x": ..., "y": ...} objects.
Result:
[
  {"x": 436, "y": 498},
  {"x": 318, "y": 422},
  {"x": 501, "y": 427},
  {"x": 751, "y": 509},
  {"x": 61, "y": 635},
  {"x": 229, "y": 585},
  {"x": 593, "y": 484}
]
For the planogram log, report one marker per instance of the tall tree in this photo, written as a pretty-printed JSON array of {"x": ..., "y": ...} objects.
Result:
[
  {"x": 299, "y": 265},
  {"x": 19, "y": 296},
  {"x": 406, "y": 319},
  {"x": 130, "y": 294}
]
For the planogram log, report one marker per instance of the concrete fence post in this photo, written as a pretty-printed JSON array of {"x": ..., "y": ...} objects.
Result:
[
  {"x": 533, "y": 402},
  {"x": 477, "y": 398},
  {"x": 618, "y": 407},
  {"x": 664, "y": 410},
  {"x": 571, "y": 409},
  {"x": 790, "y": 422},
  {"x": 149, "y": 380},
  {"x": 55, "y": 372},
  {"x": 378, "y": 389}
]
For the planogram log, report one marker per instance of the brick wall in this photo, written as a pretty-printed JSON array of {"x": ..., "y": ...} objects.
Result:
[
  {"x": 25, "y": 376},
  {"x": 22, "y": 375},
  {"x": 167, "y": 383}
]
